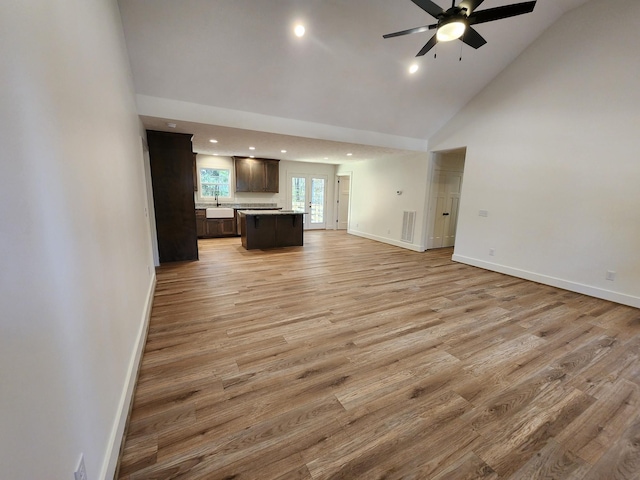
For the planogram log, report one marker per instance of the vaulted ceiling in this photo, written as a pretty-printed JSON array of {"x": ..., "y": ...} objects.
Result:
[{"x": 242, "y": 55}]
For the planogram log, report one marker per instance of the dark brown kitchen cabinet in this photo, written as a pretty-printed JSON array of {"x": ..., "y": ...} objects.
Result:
[
  {"x": 201, "y": 223},
  {"x": 272, "y": 176},
  {"x": 262, "y": 231},
  {"x": 258, "y": 231},
  {"x": 214, "y": 227},
  {"x": 171, "y": 160},
  {"x": 243, "y": 167},
  {"x": 195, "y": 173},
  {"x": 221, "y": 227},
  {"x": 257, "y": 175}
]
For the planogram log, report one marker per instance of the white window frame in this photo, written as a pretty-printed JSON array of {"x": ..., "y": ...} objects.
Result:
[
  {"x": 201, "y": 190},
  {"x": 217, "y": 163}
]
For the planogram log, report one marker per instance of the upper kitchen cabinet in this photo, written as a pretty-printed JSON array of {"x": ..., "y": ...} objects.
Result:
[
  {"x": 171, "y": 159},
  {"x": 257, "y": 175}
]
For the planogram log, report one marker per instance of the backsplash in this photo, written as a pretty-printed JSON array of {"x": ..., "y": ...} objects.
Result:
[{"x": 237, "y": 205}]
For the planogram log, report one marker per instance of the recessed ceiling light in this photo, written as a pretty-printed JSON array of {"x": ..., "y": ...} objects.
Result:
[
  {"x": 283, "y": 151},
  {"x": 413, "y": 68},
  {"x": 349, "y": 154},
  {"x": 213, "y": 140},
  {"x": 299, "y": 30},
  {"x": 215, "y": 154},
  {"x": 252, "y": 156},
  {"x": 252, "y": 148},
  {"x": 326, "y": 158},
  {"x": 171, "y": 125}
]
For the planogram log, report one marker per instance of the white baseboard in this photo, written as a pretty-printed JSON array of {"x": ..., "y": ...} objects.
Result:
[
  {"x": 552, "y": 281},
  {"x": 115, "y": 441},
  {"x": 390, "y": 241}
]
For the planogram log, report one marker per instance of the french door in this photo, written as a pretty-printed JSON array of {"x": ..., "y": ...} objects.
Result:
[{"x": 308, "y": 194}]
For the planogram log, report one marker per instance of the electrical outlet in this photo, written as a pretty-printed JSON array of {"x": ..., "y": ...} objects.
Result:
[
  {"x": 388, "y": 231},
  {"x": 81, "y": 471},
  {"x": 611, "y": 275},
  {"x": 149, "y": 269},
  {"x": 492, "y": 252}
]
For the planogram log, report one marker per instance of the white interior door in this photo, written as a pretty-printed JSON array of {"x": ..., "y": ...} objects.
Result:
[
  {"x": 445, "y": 200},
  {"x": 343, "y": 202},
  {"x": 308, "y": 194}
]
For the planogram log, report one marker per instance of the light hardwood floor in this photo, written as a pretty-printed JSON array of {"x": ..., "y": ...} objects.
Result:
[{"x": 352, "y": 359}]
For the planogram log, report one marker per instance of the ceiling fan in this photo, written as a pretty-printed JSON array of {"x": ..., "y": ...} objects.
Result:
[{"x": 456, "y": 22}]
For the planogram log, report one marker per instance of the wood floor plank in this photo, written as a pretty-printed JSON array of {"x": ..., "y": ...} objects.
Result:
[
  {"x": 508, "y": 451},
  {"x": 469, "y": 467},
  {"x": 591, "y": 435},
  {"x": 352, "y": 359},
  {"x": 622, "y": 459},
  {"x": 553, "y": 461}
]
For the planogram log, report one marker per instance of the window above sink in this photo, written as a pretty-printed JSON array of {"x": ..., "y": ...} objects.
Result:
[
  {"x": 215, "y": 178},
  {"x": 215, "y": 183}
]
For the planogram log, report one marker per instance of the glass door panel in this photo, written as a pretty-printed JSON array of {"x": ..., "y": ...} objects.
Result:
[
  {"x": 317, "y": 201},
  {"x": 308, "y": 195},
  {"x": 298, "y": 194}
]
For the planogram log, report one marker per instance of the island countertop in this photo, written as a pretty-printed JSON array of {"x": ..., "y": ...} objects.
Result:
[{"x": 269, "y": 212}]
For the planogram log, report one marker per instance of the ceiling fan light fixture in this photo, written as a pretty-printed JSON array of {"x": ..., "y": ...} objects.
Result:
[{"x": 451, "y": 30}]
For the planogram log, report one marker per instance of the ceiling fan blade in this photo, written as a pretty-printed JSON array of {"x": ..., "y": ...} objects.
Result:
[
  {"x": 499, "y": 13},
  {"x": 407, "y": 32},
  {"x": 429, "y": 7},
  {"x": 473, "y": 38},
  {"x": 428, "y": 46},
  {"x": 470, "y": 5}
]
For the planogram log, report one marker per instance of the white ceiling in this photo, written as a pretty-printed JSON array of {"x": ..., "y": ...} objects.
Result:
[
  {"x": 237, "y": 142},
  {"x": 242, "y": 55}
]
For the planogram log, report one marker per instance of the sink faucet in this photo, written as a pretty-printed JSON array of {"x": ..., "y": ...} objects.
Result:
[{"x": 215, "y": 195}]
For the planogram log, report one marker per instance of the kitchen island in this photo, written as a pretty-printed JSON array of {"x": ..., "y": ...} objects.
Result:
[
  {"x": 270, "y": 228},
  {"x": 222, "y": 220}
]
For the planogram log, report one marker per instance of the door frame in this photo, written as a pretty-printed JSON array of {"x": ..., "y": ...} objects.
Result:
[
  {"x": 429, "y": 224},
  {"x": 307, "y": 217},
  {"x": 336, "y": 199}
]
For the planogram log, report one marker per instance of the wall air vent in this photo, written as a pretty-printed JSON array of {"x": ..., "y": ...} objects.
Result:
[{"x": 408, "y": 223}]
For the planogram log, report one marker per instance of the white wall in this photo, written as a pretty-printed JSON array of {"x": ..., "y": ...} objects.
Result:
[
  {"x": 75, "y": 243},
  {"x": 552, "y": 154},
  {"x": 286, "y": 168},
  {"x": 376, "y": 209}
]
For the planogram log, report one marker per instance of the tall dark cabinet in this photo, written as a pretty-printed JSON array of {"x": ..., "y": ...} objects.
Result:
[{"x": 172, "y": 179}]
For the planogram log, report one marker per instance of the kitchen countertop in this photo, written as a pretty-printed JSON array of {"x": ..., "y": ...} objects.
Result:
[
  {"x": 269, "y": 212},
  {"x": 239, "y": 206}
]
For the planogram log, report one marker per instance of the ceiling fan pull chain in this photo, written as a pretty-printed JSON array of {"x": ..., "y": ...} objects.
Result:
[{"x": 461, "y": 43}]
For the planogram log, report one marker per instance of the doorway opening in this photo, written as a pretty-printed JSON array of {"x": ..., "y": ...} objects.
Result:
[{"x": 447, "y": 170}]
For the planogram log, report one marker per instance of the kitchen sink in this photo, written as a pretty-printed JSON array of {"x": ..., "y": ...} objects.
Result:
[{"x": 220, "y": 212}]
